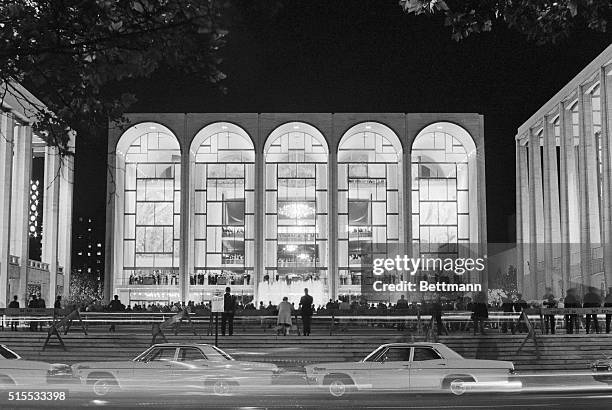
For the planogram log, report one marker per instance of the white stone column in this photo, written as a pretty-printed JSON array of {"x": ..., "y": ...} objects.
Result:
[
  {"x": 6, "y": 170},
  {"x": 587, "y": 171},
  {"x": 50, "y": 231},
  {"x": 332, "y": 218},
  {"x": 536, "y": 210},
  {"x": 260, "y": 212},
  {"x": 524, "y": 210},
  {"x": 64, "y": 254},
  {"x": 566, "y": 159},
  {"x": 606, "y": 148},
  {"x": 185, "y": 266},
  {"x": 21, "y": 206},
  {"x": 552, "y": 228},
  {"x": 519, "y": 221}
]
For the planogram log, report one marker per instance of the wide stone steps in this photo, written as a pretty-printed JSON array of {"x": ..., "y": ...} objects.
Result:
[{"x": 559, "y": 352}]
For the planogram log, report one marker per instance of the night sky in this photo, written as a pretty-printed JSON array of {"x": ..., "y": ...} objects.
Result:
[{"x": 366, "y": 56}]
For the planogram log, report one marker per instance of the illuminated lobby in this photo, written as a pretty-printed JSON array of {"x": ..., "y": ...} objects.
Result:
[{"x": 270, "y": 204}]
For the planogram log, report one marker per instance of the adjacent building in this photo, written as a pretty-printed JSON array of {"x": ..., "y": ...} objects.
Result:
[
  {"x": 272, "y": 203},
  {"x": 88, "y": 248},
  {"x": 35, "y": 204},
  {"x": 563, "y": 181}
]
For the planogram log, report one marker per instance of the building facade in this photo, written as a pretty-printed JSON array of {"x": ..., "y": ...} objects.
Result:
[
  {"x": 272, "y": 203},
  {"x": 35, "y": 204},
  {"x": 88, "y": 248},
  {"x": 563, "y": 181}
]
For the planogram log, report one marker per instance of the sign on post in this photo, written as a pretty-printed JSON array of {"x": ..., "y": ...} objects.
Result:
[{"x": 217, "y": 304}]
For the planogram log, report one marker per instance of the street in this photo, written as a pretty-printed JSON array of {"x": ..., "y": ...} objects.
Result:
[{"x": 313, "y": 399}]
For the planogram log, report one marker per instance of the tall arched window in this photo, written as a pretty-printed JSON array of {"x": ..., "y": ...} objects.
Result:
[
  {"x": 296, "y": 239},
  {"x": 151, "y": 210},
  {"x": 369, "y": 200},
  {"x": 444, "y": 191},
  {"x": 223, "y": 224}
]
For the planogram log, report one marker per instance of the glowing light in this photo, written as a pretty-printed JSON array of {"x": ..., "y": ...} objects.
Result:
[{"x": 296, "y": 211}]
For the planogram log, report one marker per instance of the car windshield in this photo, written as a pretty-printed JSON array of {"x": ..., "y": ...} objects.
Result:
[{"x": 6, "y": 353}]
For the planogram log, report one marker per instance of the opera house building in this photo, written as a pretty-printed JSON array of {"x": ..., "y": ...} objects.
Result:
[{"x": 270, "y": 204}]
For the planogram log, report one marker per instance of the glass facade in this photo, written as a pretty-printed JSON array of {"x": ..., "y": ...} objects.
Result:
[
  {"x": 151, "y": 230},
  {"x": 259, "y": 206},
  {"x": 440, "y": 196},
  {"x": 369, "y": 203},
  {"x": 296, "y": 225},
  {"x": 224, "y": 211}
]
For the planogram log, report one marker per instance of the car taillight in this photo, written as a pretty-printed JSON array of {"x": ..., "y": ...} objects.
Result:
[{"x": 511, "y": 371}]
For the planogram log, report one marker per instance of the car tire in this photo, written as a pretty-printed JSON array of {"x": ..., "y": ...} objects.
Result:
[
  {"x": 103, "y": 385},
  {"x": 6, "y": 382},
  {"x": 456, "y": 384},
  {"x": 339, "y": 385}
]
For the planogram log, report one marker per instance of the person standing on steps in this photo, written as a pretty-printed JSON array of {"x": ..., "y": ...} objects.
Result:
[
  {"x": 306, "y": 308},
  {"x": 229, "y": 310},
  {"x": 284, "y": 316},
  {"x": 15, "y": 305},
  {"x": 608, "y": 303}
]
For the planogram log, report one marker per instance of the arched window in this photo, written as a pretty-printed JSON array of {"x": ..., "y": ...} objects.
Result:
[
  {"x": 151, "y": 208},
  {"x": 296, "y": 240},
  {"x": 444, "y": 191},
  {"x": 369, "y": 200},
  {"x": 223, "y": 224}
]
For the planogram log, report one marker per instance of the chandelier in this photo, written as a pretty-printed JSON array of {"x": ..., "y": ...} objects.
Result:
[{"x": 297, "y": 210}]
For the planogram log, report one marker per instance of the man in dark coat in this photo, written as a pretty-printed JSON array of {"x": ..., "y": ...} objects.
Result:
[
  {"x": 608, "y": 303},
  {"x": 306, "y": 309},
  {"x": 571, "y": 301},
  {"x": 229, "y": 310},
  {"x": 480, "y": 312},
  {"x": 508, "y": 308},
  {"x": 592, "y": 300},
  {"x": 549, "y": 302},
  {"x": 14, "y": 305},
  {"x": 519, "y": 305}
]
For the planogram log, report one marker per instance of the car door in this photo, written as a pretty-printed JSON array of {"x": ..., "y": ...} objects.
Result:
[
  {"x": 391, "y": 369},
  {"x": 191, "y": 367},
  {"x": 156, "y": 368},
  {"x": 427, "y": 369}
]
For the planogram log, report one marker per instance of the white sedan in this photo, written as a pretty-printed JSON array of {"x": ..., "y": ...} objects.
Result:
[
  {"x": 413, "y": 367},
  {"x": 14, "y": 371},
  {"x": 176, "y": 366}
]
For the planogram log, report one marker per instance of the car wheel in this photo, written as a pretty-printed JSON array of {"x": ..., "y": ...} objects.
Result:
[
  {"x": 222, "y": 387},
  {"x": 6, "y": 382},
  {"x": 103, "y": 385},
  {"x": 457, "y": 385},
  {"x": 339, "y": 386}
]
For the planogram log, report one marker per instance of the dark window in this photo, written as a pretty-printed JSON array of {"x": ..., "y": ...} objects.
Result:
[
  {"x": 397, "y": 354},
  {"x": 162, "y": 355},
  {"x": 188, "y": 354},
  {"x": 7, "y": 354},
  {"x": 424, "y": 353}
]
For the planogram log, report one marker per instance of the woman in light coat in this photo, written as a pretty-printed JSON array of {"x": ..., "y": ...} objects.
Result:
[{"x": 284, "y": 316}]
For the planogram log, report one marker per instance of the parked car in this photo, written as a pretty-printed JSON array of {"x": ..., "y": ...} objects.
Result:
[
  {"x": 412, "y": 367},
  {"x": 602, "y": 369},
  {"x": 176, "y": 366},
  {"x": 15, "y": 371}
]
